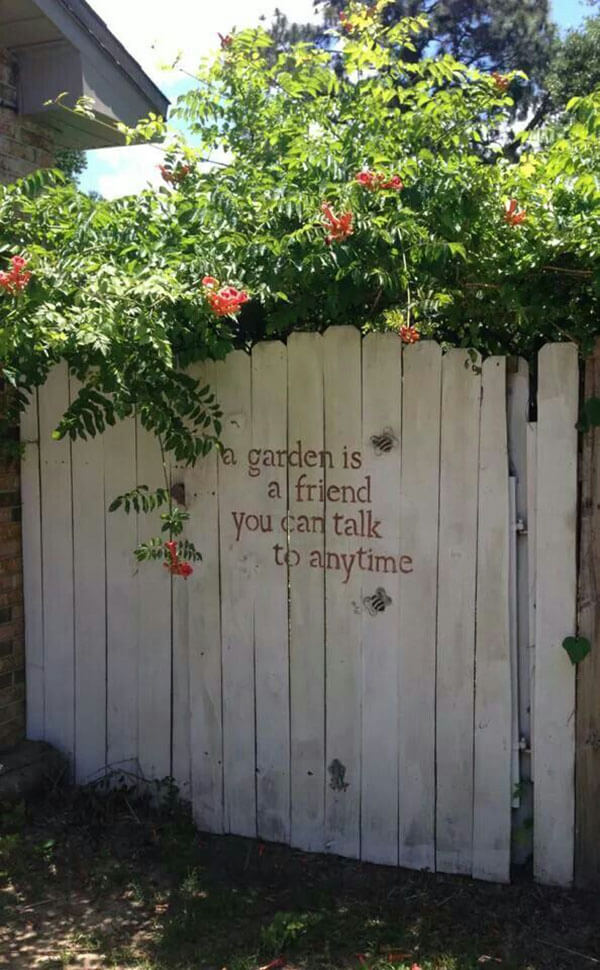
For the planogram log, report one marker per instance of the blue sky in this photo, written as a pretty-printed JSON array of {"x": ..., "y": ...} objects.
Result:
[
  {"x": 569, "y": 13},
  {"x": 191, "y": 29}
]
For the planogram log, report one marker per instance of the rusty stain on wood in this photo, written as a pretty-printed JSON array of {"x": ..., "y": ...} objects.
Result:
[{"x": 337, "y": 773}]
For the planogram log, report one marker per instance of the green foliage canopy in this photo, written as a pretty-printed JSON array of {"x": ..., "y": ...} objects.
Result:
[
  {"x": 116, "y": 287},
  {"x": 489, "y": 34}
]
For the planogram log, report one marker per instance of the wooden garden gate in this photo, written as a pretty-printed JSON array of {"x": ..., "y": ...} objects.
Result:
[{"x": 371, "y": 646}]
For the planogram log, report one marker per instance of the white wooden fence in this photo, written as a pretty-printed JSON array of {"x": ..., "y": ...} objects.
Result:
[{"x": 349, "y": 669}]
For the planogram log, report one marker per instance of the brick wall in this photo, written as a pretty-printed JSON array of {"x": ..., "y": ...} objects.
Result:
[{"x": 24, "y": 147}]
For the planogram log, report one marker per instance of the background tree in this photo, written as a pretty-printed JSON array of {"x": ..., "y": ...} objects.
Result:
[
  {"x": 574, "y": 68},
  {"x": 72, "y": 163},
  {"x": 286, "y": 32},
  {"x": 500, "y": 35}
]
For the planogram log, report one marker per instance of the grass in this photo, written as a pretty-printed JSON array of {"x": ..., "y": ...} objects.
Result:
[{"x": 95, "y": 881}]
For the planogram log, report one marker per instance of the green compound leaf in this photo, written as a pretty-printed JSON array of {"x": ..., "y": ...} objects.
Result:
[{"x": 577, "y": 648}]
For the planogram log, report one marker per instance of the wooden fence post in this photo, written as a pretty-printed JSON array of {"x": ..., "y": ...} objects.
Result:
[{"x": 587, "y": 846}]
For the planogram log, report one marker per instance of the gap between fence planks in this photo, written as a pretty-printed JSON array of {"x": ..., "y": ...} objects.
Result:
[{"x": 522, "y": 467}]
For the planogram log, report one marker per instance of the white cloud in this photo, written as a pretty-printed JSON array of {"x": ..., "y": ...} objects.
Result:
[
  {"x": 124, "y": 171},
  {"x": 155, "y": 32}
]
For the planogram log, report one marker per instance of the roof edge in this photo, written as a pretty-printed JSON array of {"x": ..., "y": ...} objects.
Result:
[{"x": 86, "y": 18}]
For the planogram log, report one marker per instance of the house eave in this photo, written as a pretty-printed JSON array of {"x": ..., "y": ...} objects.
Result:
[{"x": 63, "y": 46}]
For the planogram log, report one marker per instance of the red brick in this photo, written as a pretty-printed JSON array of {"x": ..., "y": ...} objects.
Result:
[
  {"x": 16, "y": 148},
  {"x": 12, "y": 695},
  {"x": 10, "y": 474},
  {"x": 14, "y": 168},
  {"x": 8, "y": 584},
  {"x": 13, "y": 661},
  {"x": 8, "y": 631},
  {"x": 11, "y": 712},
  {"x": 12, "y": 732},
  {"x": 10, "y": 598},
  {"x": 10, "y": 547},
  {"x": 9, "y": 530},
  {"x": 11, "y": 565}
]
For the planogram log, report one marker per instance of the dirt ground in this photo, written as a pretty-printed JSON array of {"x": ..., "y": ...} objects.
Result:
[{"x": 91, "y": 881}]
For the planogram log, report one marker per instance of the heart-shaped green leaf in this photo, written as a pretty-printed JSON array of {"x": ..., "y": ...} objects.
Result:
[{"x": 577, "y": 648}]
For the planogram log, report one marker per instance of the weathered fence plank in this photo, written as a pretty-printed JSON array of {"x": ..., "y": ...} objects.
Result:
[
  {"x": 587, "y": 858},
  {"x": 57, "y": 565},
  {"x": 238, "y": 568},
  {"x": 461, "y": 389},
  {"x": 382, "y": 430},
  {"x": 204, "y": 626},
  {"x": 89, "y": 571},
  {"x": 555, "y": 613},
  {"x": 267, "y": 502},
  {"x": 307, "y": 606},
  {"x": 154, "y": 709},
  {"x": 181, "y": 767},
  {"x": 343, "y": 436},
  {"x": 32, "y": 571},
  {"x": 493, "y": 701},
  {"x": 421, "y": 417},
  {"x": 515, "y": 782},
  {"x": 122, "y": 602}
]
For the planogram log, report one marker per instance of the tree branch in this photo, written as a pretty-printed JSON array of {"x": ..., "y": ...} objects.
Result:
[{"x": 539, "y": 115}]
